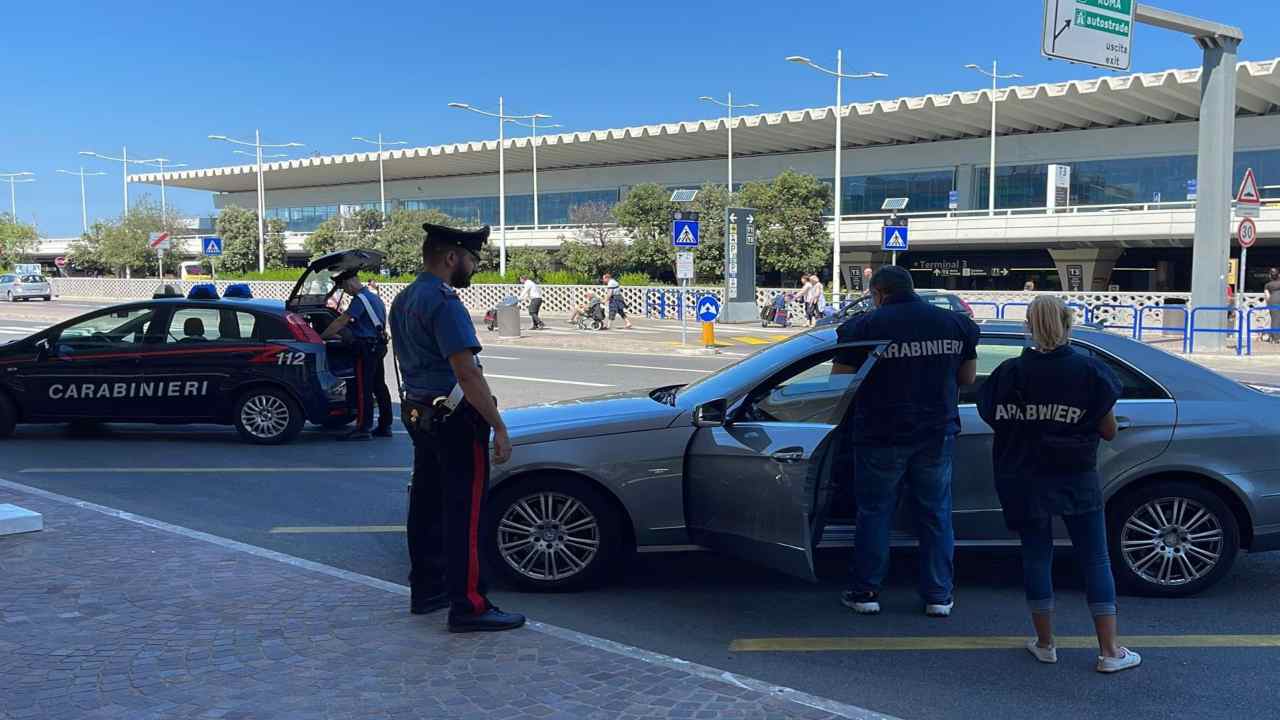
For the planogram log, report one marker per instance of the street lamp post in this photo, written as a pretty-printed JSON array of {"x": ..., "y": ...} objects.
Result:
[
  {"x": 84, "y": 211},
  {"x": 13, "y": 179},
  {"x": 730, "y": 106},
  {"x": 382, "y": 184},
  {"x": 124, "y": 169},
  {"x": 257, "y": 145},
  {"x": 161, "y": 163},
  {"x": 991, "y": 171},
  {"x": 502, "y": 170},
  {"x": 533, "y": 124},
  {"x": 840, "y": 75}
]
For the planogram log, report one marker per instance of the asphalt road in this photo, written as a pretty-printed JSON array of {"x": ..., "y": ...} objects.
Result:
[{"x": 692, "y": 605}]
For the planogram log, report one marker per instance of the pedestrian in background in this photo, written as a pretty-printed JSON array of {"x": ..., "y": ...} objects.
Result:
[
  {"x": 532, "y": 294},
  {"x": 806, "y": 298},
  {"x": 1049, "y": 408},
  {"x": 1029, "y": 286},
  {"x": 616, "y": 302},
  {"x": 819, "y": 298},
  {"x": 905, "y": 419},
  {"x": 1273, "y": 299}
]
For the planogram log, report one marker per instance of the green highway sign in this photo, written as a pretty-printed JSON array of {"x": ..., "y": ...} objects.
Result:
[{"x": 1092, "y": 32}]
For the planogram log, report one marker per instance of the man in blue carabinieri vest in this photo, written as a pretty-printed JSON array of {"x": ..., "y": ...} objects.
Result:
[{"x": 903, "y": 428}]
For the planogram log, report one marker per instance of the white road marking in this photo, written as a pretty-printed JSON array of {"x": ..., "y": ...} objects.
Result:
[
  {"x": 487, "y": 356},
  {"x": 655, "y": 367},
  {"x": 546, "y": 380}
]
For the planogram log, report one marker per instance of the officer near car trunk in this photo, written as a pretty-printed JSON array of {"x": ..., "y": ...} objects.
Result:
[
  {"x": 367, "y": 318},
  {"x": 905, "y": 420},
  {"x": 448, "y": 410}
]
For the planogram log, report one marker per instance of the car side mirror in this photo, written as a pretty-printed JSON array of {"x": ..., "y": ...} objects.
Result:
[{"x": 712, "y": 414}]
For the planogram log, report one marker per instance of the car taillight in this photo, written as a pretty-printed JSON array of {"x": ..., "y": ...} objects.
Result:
[
  {"x": 968, "y": 310},
  {"x": 302, "y": 331}
]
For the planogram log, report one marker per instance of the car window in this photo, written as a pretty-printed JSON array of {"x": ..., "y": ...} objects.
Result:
[
  {"x": 33, "y": 279},
  {"x": 247, "y": 322},
  {"x": 991, "y": 352},
  {"x": 203, "y": 325},
  {"x": 1136, "y": 386},
  {"x": 112, "y": 330},
  {"x": 6, "y": 278},
  {"x": 806, "y": 393}
]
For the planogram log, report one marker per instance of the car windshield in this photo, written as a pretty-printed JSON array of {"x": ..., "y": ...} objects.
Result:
[
  {"x": 754, "y": 363},
  {"x": 33, "y": 279}
]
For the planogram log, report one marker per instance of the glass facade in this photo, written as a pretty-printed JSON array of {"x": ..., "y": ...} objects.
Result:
[
  {"x": 1116, "y": 182},
  {"x": 928, "y": 190},
  {"x": 302, "y": 219},
  {"x": 553, "y": 208}
]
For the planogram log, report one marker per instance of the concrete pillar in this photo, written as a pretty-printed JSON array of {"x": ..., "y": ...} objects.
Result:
[
  {"x": 964, "y": 186},
  {"x": 1085, "y": 269}
]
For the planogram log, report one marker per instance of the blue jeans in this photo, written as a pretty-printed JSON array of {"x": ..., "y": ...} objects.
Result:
[
  {"x": 1089, "y": 540},
  {"x": 878, "y": 476}
]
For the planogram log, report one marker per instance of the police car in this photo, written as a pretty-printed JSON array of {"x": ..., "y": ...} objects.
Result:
[{"x": 259, "y": 365}]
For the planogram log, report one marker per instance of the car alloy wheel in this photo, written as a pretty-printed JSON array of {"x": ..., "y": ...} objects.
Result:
[
  {"x": 548, "y": 536},
  {"x": 265, "y": 416},
  {"x": 1172, "y": 541}
]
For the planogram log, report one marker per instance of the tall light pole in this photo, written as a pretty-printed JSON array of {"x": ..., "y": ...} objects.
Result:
[
  {"x": 533, "y": 124},
  {"x": 502, "y": 170},
  {"x": 257, "y": 145},
  {"x": 13, "y": 179},
  {"x": 382, "y": 183},
  {"x": 728, "y": 105},
  {"x": 162, "y": 163},
  {"x": 84, "y": 211},
  {"x": 991, "y": 173},
  {"x": 840, "y": 75},
  {"x": 124, "y": 169}
]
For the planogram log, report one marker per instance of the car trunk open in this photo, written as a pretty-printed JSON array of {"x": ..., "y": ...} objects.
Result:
[{"x": 311, "y": 294}]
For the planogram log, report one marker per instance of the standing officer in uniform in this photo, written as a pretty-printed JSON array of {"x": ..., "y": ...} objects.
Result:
[
  {"x": 905, "y": 420},
  {"x": 367, "y": 316},
  {"x": 448, "y": 410}
]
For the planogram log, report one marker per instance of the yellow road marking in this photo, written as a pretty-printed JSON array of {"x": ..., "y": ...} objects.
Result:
[
  {"x": 780, "y": 338},
  {"x": 749, "y": 340},
  {"x": 333, "y": 529},
  {"x": 995, "y": 642}
]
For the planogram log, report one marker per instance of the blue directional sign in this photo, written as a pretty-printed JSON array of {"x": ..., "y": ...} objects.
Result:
[
  {"x": 211, "y": 246},
  {"x": 684, "y": 233},
  {"x": 894, "y": 237},
  {"x": 708, "y": 308}
]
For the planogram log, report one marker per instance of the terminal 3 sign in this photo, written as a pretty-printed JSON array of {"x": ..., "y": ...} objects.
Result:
[{"x": 957, "y": 268}]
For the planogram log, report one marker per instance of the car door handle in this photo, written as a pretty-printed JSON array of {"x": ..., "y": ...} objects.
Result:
[
  {"x": 789, "y": 456},
  {"x": 1123, "y": 423}
]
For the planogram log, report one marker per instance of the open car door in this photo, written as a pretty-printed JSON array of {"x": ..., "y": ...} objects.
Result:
[
  {"x": 316, "y": 284},
  {"x": 757, "y": 475}
]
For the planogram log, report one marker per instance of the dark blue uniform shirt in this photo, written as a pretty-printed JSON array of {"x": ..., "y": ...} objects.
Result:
[
  {"x": 911, "y": 393},
  {"x": 430, "y": 323},
  {"x": 364, "y": 326},
  {"x": 1045, "y": 409}
]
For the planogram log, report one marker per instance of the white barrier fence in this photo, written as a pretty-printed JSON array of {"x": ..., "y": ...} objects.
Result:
[{"x": 1121, "y": 311}]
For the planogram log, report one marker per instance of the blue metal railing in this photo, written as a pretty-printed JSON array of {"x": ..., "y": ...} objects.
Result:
[
  {"x": 1182, "y": 330},
  {"x": 1131, "y": 326},
  {"x": 995, "y": 307},
  {"x": 1085, "y": 311},
  {"x": 1232, "y": 315},
  {"x": 1249, "y": 330},
  {"x": 1004, "y": 309}
]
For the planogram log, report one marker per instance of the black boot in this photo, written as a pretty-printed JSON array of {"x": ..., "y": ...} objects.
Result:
[
  {"x": 491, "y": 620},
  {"x": 423, "y": 602}
]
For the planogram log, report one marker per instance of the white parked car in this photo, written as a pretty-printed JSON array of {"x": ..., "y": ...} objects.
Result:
[{"x": 15, "y": 287}]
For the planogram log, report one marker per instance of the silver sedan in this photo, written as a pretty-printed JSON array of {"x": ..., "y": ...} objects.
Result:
[{"x": 748, "y": 462}]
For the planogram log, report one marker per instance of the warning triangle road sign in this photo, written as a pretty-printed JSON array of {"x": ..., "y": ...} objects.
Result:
[
  {"x": 895, "y": 242},
  {"x": 1249, "y": 194}
]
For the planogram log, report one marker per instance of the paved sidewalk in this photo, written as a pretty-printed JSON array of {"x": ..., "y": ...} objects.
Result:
[{"x": 108, "y": 615}]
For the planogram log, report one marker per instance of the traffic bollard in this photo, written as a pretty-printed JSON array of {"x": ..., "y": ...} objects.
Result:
[{"x": 708, "y": 334}]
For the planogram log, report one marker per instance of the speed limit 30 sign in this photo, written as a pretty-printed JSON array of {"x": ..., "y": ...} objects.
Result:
[{"x": 1247, "y": 232}]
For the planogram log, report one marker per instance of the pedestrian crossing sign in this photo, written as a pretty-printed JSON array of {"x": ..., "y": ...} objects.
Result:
[
  {"x": 212, "y": 246},
  {"x": 684, "y": 233},
  {"x": 894, "y": 238}
]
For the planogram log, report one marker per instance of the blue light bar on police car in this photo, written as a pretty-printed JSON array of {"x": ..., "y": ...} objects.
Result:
[{"x": 203, "y": 291}]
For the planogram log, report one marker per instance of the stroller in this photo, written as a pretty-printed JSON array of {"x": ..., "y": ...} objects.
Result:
[
  {"x": 593, "y": 317},
  {"x": 776, "y": 312},
  {"x": 491, "y": 316}
]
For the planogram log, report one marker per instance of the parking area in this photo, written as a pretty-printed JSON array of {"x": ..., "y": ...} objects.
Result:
[{"x": 342, "y": 504}]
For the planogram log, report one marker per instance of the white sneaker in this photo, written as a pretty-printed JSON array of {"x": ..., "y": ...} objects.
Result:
[
  {"x": 939, "y": 611},
  {"x": 1044, "y": 655},
  {"x": 1128, "y": 659}
]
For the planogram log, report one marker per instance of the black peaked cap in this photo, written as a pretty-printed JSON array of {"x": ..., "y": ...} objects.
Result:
[{"x": 471, "y": 240}]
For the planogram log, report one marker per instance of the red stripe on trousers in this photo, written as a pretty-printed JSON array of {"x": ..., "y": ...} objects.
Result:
[
  {"x": 360, "y": 398},
  {"x": 478, "y": 602}
]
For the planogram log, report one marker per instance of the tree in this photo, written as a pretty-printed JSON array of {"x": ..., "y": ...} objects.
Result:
[
  {"x": 646, "y": 211},
  {"x": 708, "y": 259},
  {"x": 595, "y": 248},
  {"x": 17, "y": 241},
  {"x": 238, "y": 228},
  {"x": 791, "y": 236},
  {"x": 121, "y": 246},
  {"x": 326, "y": 238},
  {"x": 598, "y": 226},
  {"x": 400, "y": 239}
]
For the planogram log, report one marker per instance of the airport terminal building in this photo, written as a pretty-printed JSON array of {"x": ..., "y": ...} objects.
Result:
[{"x": 1129, "y": 141}]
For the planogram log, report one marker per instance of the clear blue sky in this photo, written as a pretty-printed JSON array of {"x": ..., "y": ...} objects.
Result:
[{"x": 160, "y": 77}]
